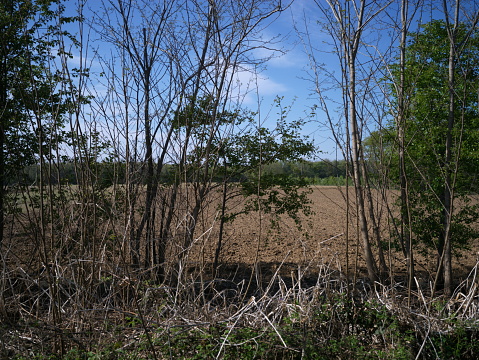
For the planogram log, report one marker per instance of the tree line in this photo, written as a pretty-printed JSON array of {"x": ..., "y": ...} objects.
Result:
[{"x": 314, "y": 172}]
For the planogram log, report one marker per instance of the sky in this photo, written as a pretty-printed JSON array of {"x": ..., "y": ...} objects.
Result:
[
  {"x": 284, "y": 75},
  {"x": 287, "y": 74}
]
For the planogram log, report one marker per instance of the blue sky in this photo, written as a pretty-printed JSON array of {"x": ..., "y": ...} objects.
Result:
[
  {"x": 283, "y": 75},
  {"x": 286, "y": 74}
]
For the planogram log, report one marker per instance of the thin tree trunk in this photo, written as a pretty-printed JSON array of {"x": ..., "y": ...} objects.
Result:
[
  {"x": 219, "y": 244},
  {"x": 447, "y": 196},
  {"x": 373, "y": 219},
  {"x": 356, "y": 144},
  {"x": 349, "y": 38},
  {"x": 405, "y": 226},
  {"x": 4, "y": 53},
  {"x": 3, "y": 104}
]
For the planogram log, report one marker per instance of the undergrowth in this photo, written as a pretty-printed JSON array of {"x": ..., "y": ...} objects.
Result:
[{"x": 333, "y": 319}]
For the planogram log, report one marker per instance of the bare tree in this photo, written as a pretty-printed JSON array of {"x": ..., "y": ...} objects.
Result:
[
  {"x": 346, "y": 23},
  {"x": 409, "y": 11},
  {"x": 181, "y": 66}
]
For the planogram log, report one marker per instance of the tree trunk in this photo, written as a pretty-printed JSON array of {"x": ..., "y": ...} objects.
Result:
[
  {"x": 448, "y": 187},
  {"x": 358, "y": 187},
  {"x": 405, "y": 226},
  {"x": 219, "y": 244}
]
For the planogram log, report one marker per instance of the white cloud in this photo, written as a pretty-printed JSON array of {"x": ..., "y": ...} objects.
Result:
[{"x": 252, "y": 86}]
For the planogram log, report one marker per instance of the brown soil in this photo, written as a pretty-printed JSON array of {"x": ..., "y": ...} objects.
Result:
[{"x": 322, "y": 242}]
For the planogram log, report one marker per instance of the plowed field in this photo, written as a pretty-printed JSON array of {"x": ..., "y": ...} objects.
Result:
[{"x": 324, "y": 240}]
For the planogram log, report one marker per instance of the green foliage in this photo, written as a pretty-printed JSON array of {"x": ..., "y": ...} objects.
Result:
[
  {"x": 427, "y": 116},
  {"x": 229, "y": 147},
  {"x": 381, "y": 155},
  {"x": 461, "y": 343},
  {"x": 329, "y": 181},
  {"x": 427, "y": 217},
  {"x": 426, "y": 79},
  {"x": 249, "y": 157},
  {"x": 32, "y": 91}
]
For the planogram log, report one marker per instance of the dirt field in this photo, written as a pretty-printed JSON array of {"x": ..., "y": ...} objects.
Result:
[{"x": 324, "y": 244}]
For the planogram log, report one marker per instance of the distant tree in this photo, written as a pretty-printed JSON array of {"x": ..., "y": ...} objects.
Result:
[{"x": 380, "y": 149}]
